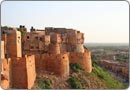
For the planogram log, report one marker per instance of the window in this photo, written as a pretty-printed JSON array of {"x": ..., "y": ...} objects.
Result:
[
  {"x": 31, "y": 47},
  {"x": 40, "y": 39},
  {"x": 3, "y": 32},
  {"x": 36, "y": 37},
  {"x": 27, "y": 37}
]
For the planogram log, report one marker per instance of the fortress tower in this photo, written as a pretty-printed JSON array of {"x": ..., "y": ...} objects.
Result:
[
  {"x": 16, "y": 70},
  {"x": 12, "y": 39}
]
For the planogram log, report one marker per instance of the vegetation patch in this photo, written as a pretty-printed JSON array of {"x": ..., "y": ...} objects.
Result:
[
  {"x": 76, "y": 67},
  {"x": 74, "y": 82},
  {"x": 77, "y": 79},
  {"x": 45, "y": 84}
]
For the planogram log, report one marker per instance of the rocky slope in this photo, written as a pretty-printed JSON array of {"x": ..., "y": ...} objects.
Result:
[{"x": 79, "y": 79}]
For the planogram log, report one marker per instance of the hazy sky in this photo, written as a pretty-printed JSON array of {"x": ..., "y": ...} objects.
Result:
[{"x": 101, "y": 21}]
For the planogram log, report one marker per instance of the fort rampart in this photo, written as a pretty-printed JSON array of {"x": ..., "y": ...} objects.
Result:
[{"x": 24, "y": 54}]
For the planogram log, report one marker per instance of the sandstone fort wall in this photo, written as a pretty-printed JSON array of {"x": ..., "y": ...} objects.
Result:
[
  {"x": 55, "y": 63},
  {"x": 49, "y": 50},
  {"x": 2, "y": 50},
  {"x": 23, "y": 71},
  {"x": 6, "y": 73},
  {"x": 83, "y": 58}
]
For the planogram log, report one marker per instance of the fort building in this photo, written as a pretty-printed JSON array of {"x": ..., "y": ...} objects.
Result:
[
  {"x": 24, "y": 54},
  {"x": 17, "y": 71}
]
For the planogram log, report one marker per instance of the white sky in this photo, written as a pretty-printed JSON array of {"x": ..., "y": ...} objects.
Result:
[{"x": 101, "y": 21}]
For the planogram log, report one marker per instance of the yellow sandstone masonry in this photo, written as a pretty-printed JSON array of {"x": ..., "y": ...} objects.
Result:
[{"x": 49, "y": 50}]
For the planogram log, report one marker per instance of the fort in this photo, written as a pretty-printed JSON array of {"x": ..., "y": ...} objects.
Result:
[{"x": 24, "y": 54}]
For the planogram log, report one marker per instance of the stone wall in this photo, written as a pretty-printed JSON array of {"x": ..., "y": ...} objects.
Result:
[
  {"x": 20, "y": 71},
  {"x": 55, "y": 38},
  {"x": 12, "y": 40},
  {"x": 4, "y": 38},
  {"x": 36, "y": 42},
  {"x": 2, "y": 50},
  {"x": 54, "y": 48},
  {"x": 6, "y": 73},
  {"x": 83, "y": 58},
  {"x": 46, "y": 39},
  {"x": 48, "y": 30},
  {"x": 79, "y": 48},
  {"x": 38, "y": 62},
  {"x": 63, "y": 47},
  {"x": 31, "y": 72},
  {"x": 58, "y": 64},
  {"x": 72, "y": 39},
  {"x": 80, "y": 38},
  {"x": 40, "y": 32},
  {"x": 23, "y": 72}
]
